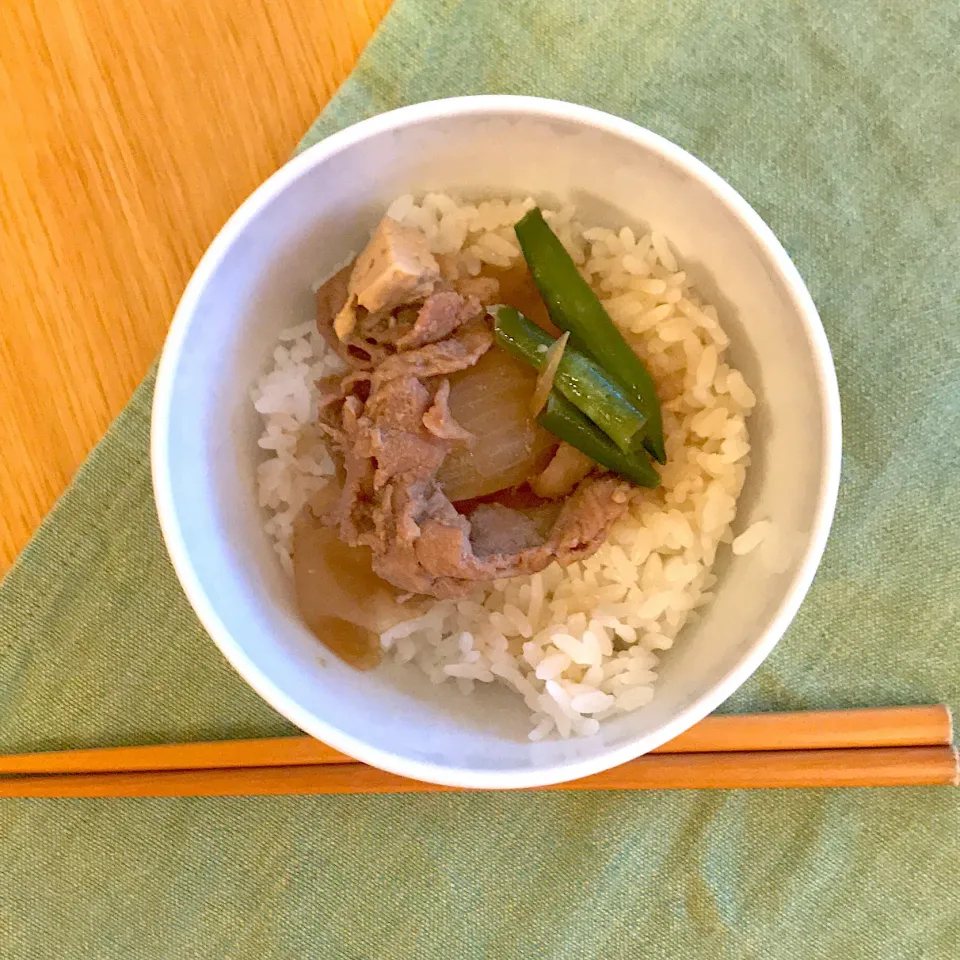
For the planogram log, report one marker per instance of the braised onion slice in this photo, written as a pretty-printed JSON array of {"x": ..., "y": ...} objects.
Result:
[
  {"x": 567, "y": 468},
  {"x": 345, "y": 604},
  {"x": 548, "y": 371},
  {"x": 492, "y": 400}
]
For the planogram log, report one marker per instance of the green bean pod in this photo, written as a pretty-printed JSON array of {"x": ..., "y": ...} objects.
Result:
[
  {"x": 575, "y": 307},
  {"x": 565, "y": 421},
  {"x": 578, "y": 378}
]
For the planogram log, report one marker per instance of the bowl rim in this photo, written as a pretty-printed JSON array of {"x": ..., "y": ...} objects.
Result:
[{"x": 534, "y": 108}]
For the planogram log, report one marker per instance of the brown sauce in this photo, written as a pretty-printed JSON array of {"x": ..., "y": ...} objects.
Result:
[{"x": 518, "y": 290}]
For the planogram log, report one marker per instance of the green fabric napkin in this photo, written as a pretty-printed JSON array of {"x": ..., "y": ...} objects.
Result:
[{"x": 840, "y": 123}]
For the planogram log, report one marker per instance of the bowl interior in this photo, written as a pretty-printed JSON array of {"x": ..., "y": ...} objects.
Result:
[{"x": 257, "y": 279}]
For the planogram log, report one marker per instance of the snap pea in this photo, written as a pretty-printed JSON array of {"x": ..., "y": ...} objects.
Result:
[
  {"x": 565, "y": 421},
  {"x": 575, "y": 307},
  {"x": 578, "y": 378}
]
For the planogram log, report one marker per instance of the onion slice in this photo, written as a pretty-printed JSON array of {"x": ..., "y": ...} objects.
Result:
[
  {"x": 567, "y": 468},
  {"x": 344, "y": 603},
  {"x": 546, "y": 376},
  {"x": 492, "y": 401}
]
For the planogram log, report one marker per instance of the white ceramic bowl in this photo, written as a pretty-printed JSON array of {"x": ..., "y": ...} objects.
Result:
[{"x": 256, "y": 279}]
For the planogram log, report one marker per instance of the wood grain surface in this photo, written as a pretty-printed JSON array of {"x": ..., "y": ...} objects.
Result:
[{"x": 130, "y": 132}]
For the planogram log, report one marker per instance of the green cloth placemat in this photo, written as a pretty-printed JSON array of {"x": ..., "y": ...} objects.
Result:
[{"x": 840, "y": 123}]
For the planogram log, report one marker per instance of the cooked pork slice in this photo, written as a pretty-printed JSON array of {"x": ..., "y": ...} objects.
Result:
[
  {"x": 459, "y": 351},
  {"x": 496, "y": 530},
  {"x": 440, "y": 315},
  {"x": 440, "y": 421},
  {"x": 444, "y": 554}
]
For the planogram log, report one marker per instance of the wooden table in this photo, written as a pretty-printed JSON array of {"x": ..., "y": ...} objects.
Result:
[{"x": 130, "y": 131}]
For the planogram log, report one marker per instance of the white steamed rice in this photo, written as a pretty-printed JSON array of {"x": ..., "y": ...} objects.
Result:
[{"x": 579, "y": 644}]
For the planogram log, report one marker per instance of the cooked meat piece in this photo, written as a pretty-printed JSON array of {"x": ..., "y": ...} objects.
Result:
[
  {"x": 392, "y": 535},
  {"x": 421, "y": 544},
  {"x": 379, "y": 363},
  {"x": 398, "y": 453},
  {"x": 395, "y": 267},
  {"x": 360, "y": 352},
  {"x": 443, "y": 551},
  {"x": 362, "y": 355},
  {"x": 567, "y": 468},
  {"x": 445, "y": 548},
  {"x": 586, "y": 516},
  {"x": 399, "y": 403},
  {"x": 385, "y": 329},
  {"x": 485, "y": 289},
  {"x": 357, "y": 505},
  {"x": 403, "y": 508},
  {"x": 331, "y": 297},
  {"x": 440, "y": 315},
  {"x": 458, "y": 352},
  {"x": 440, "y": 421},
  {"x": 543, "y": 516},
  {"x": 495, "y": 529},
  {"x": 329, "y": 395},
  {"x": 391, "y": 432}
]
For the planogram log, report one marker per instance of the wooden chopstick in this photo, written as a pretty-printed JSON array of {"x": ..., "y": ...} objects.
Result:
[
  {"x": 813, "y": 730},
  {"x": 861, "y": 767}
]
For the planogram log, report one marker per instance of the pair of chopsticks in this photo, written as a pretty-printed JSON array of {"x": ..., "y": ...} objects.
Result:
[{"x": 886, "y": 747}]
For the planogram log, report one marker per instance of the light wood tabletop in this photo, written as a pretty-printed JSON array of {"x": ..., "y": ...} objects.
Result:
[{"x": 130, "y": 132}]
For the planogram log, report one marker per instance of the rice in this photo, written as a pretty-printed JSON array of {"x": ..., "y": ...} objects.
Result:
[
  {"x": 579, "y": 645},
  {"x": 286, "y": 400}
]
